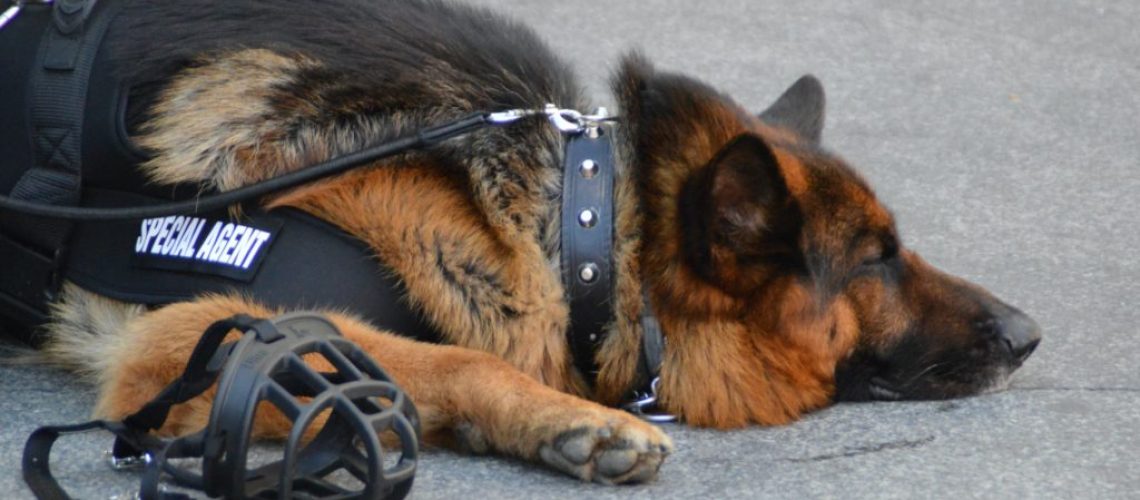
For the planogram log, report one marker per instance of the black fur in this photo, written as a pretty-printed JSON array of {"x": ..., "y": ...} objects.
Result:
[{"x": 393, "y": 54}]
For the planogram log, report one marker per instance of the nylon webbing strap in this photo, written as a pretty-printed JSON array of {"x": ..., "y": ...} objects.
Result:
[
  {"x": 587, "y": 243},
  {"x": 132, "y": 436},
  {"x": 59, "y": 84},
  {"x": 201, "y": 372},
  {"x": 36, "y": 467}
]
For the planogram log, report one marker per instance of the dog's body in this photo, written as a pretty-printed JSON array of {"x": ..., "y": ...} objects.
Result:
[{"x": 777, "y": 277}]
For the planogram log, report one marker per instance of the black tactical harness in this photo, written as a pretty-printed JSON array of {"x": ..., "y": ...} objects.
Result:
[
  {"x": 66, "y": 147},
  {"x": 74, "y": 208}
]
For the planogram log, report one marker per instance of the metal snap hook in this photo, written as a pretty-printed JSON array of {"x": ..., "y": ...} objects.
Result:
[{"x": 565, "y": 120}]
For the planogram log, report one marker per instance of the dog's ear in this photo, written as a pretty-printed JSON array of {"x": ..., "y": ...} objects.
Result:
[
  {"x": 739, "y": 202},
  {"x": 800, "y": 109},
  {"x": 746, "y": 191}
]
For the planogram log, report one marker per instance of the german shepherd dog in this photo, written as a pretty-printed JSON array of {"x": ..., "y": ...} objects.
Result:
[{"x": 778, "y": 278}]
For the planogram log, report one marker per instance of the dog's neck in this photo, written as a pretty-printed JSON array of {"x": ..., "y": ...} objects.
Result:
[
  {"x": 647, "y": 261},
  {"x": 646, "y": 249}
]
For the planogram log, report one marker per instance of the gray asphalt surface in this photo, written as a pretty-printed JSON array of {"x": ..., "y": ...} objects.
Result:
[{"x": 1004, "y": 135}]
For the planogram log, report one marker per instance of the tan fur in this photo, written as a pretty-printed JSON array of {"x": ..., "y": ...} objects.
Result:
[
  {"x": 617, "y": 359},
  {"x": 209, "y": 124},
  {"x": 422, "y": 225},
  {"x": 85, "y": 333}
]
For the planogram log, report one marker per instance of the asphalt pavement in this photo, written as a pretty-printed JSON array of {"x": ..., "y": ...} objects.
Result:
[{"x": 1004, "y": 134}]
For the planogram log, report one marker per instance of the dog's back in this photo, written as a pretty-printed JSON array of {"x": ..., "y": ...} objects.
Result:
[
  {"x": 399, "y": 56},
  {"x": 315, "y": 79}
]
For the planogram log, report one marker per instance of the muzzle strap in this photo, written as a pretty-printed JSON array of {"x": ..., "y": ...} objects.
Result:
[
  {"x": 357, "y": 401},
  {"x": 132, "y": 438},
  {"x": 201, "y": 372}
]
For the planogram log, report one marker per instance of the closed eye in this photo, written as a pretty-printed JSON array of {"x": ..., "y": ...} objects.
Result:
[
  {"x": 885, "y": 257},
  {"x": 872, "y": 266},
  {"x": 877, "y": 260}
]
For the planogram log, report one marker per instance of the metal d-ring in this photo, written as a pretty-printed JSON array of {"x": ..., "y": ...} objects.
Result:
[{"x": 645, "y": 405}]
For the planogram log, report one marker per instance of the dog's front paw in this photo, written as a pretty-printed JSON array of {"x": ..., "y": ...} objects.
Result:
[{"x": 612, "y": 448}]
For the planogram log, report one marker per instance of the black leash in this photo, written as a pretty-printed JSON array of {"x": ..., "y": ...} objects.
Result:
[{"x": 423, "y": 138}]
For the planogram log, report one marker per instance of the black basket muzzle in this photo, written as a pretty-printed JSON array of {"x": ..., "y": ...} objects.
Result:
[{"x": 354, "y": 433}]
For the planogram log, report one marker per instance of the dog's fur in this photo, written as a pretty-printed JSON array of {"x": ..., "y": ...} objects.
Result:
[{"x": 778, "y": 278}]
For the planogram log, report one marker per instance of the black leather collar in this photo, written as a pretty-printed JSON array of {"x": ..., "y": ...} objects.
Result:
[
  {"x": 587, "y": 242},
  {"x": 587, "y": 262},
  {"x": 588, "y": 274}
]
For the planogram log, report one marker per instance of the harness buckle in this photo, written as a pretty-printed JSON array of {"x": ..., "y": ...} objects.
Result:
[
  {"x": 644, "y": 405},
  {"x": 129, "y": 462}
]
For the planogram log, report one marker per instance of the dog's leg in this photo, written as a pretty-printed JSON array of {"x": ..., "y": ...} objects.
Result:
[
  {"x": 480, "y": 403},
  {"x": 466, "y": 399}
]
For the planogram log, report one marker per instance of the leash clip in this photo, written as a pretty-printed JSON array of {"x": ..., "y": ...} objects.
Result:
[
  {"x": 510, "y": 116},
  {"x": 572, "y": 121},
  {"x": 567, "y": 121}
]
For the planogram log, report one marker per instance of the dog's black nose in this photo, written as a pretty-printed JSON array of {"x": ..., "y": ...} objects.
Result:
[
  {"x": 1015, "y": 332},
  {"x": 1020, "y": 334}
]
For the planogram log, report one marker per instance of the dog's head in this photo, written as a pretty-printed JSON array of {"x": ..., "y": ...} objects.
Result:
[{"x": 780, "y": 279}]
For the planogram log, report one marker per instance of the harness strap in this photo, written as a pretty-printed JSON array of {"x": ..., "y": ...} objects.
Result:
[
  {"x": 66, "y": 57},
  {"x": 132, "y": 438},
  {"x": 307, "y": 263},
  {"x": 201, "y": 371},
  {"x": 587, "y": 243},
  {"x": 37, "y": 450},
  {"x": 58, "y": 95}
]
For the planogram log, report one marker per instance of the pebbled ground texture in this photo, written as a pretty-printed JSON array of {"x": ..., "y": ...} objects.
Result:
[{"x": 1004, "y": 135}]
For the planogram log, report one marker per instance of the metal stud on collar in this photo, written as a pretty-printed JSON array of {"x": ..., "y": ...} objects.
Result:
[
  {"x": 587, "y": 218},
  {"x": 588, "y": 272},
  {"x": 588, "y": 169}
]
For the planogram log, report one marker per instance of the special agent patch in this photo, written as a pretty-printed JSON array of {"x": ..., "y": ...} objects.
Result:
[{"x": 200, "y": 245}]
